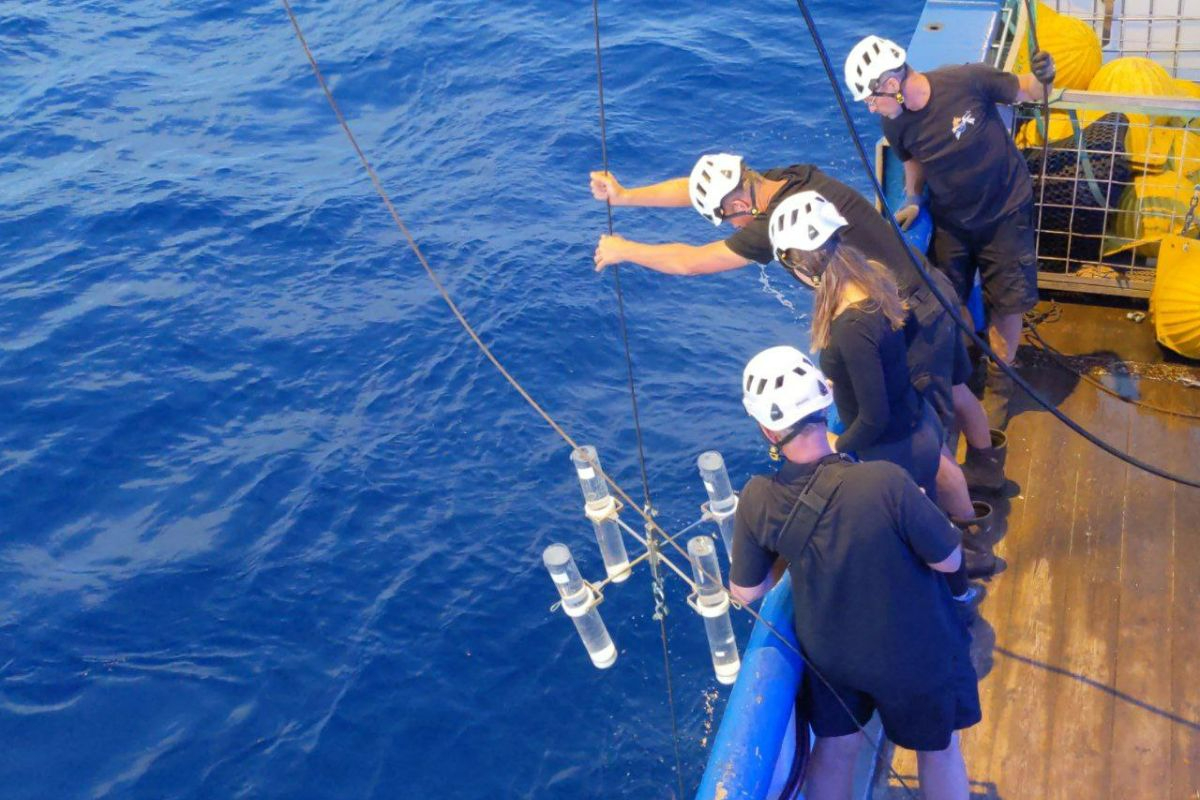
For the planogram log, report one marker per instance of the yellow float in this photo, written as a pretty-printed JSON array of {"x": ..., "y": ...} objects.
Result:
[
  {"x": 1073, "y": 43},
  {"x": 1148, "y": 143},
  {"x": 1175, "y": 299},
  {"x": 1154, "y": 206}
]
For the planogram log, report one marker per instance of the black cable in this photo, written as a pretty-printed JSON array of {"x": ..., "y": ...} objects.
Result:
[
  {"x": 660, "y": 611},
  {"x": 952, "y": 308}
]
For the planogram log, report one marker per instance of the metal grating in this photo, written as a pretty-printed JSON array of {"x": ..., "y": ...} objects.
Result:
[{"x": 1121, "y": 172}]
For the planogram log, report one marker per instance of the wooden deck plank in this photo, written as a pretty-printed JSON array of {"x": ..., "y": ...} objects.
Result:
[
  {"x": 1038, "y": 541},
  {"x": 1184, "y": 594},
  {"x": 1141, "y": 752},
  {"x": 1087, "y": 614}
]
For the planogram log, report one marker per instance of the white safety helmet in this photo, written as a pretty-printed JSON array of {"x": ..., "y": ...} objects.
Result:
[
  {"x": 804, "y": 221},
  {"x": 780, "y": 387},
  {"x": 870, "y": 58},
  {"x": 714, "y": 176}
]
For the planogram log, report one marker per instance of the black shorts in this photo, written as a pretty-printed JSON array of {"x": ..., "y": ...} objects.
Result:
[
  {"x": 920, "y": 720},
  {"x": 1005, "y": 256}
]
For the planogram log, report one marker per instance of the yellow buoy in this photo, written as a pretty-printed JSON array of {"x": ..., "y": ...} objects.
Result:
[
  {"x": 1148, "y": 143},
  {"x": 1185, "y": 151},
  {"x": 1175, "y": 299},
  {"x": 1073, "y": 43},
  {"x": 1153, "y": 207},
  {"x": 1030, "y": 134}
]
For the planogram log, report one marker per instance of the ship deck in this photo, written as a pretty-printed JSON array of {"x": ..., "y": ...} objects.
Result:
[{"x": 1088, "y": 646}]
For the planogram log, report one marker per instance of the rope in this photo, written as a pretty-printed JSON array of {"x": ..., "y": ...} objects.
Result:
[
  {"x": 656, "y": 582},
  {"x": 952, "y": 308},
  {"x": 458, "y": 315},
  {"x": 1031, "y": 31}
]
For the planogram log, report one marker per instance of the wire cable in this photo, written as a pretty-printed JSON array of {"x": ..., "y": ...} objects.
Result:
[
  {"x": 656, "y": 582},
  {"x": 952, "y": 309}
]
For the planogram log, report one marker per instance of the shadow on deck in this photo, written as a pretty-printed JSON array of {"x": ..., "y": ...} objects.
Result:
[{"x": 1088, "y": 649}]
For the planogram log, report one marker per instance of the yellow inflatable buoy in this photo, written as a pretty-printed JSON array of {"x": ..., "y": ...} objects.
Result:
[
  {"x": 1186, "y": 88},
  {"x": 1175, "y": 299},
  {"x": 1073, "y": 43},
  {"x": 1148, "y": 143},
  {"x": 1030, "y": 134},
  {"x": 1185, "y": 151},
  {"x": 1153, "y": 207}
]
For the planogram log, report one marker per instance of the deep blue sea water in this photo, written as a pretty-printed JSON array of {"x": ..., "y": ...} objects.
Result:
[{"x": 270, "y": 525}]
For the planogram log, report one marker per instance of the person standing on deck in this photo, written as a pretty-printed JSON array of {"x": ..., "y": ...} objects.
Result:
[
  {"x": 855, "y": 327},
  {"x": 946, "y": 129},
  {"x": 865, "y": 549},
  {"x": 721, "y": 186}
]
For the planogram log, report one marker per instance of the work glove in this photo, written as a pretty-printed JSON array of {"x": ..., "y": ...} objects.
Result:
[
  {"x": 1042, "y": 67},
  {"x": 907, "y": 213}
]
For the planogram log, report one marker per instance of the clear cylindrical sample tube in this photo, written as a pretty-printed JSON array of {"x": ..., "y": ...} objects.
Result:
[
  {"x": 587, "y": 467},
  {"x": 721, "y": 498},
  {"x": 579, "y": 604},
  {"x": 601, "y": 509},
  {"x": 612, "y": 548},
  {"x": 713, "y": 604},
  {"x": 722, "y": 502}
]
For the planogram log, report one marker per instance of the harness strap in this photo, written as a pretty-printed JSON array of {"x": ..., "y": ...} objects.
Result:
[{"x": 813, "y": 500}]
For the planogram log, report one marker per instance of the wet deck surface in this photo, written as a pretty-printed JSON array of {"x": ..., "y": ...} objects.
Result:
[{"x": 1088, "y": 648}]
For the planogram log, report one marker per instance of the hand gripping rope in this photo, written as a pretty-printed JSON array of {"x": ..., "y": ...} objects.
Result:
[{"x": 952, "y": 308}]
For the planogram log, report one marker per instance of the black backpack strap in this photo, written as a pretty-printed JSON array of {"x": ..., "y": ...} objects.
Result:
[{"x": 813, "y": 500}]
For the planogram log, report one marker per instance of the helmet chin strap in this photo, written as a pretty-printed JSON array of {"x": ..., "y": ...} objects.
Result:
[{"x": 776, "y": 448}]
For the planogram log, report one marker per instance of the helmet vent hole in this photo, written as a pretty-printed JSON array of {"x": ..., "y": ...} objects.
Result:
[
  {"x": 762, "y": 384},
  {"x": 799, "y": 371},
  {"x": 776, "y": 412},
  {"x": 779, "y": 382}
]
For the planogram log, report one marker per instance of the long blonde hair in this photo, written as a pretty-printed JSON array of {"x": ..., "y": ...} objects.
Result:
[{"x": 846, "y": 265}]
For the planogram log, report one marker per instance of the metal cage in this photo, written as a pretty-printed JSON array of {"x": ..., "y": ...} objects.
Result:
[{"x": 1121, "y": 170}]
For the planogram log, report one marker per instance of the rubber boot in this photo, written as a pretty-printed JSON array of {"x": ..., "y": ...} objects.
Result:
[
  {"x": 977, "y": 555},
  {"x": 984, "y": 468},
  {"x": 997, "y": 396}
]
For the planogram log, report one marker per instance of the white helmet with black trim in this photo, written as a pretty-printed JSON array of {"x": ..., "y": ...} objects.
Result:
[
  {"x": 714, "y": 176},
  {"x": 803, "y": 221},
  {"x": 871, "y": 57},
  {"x": 780, "y": 387}
]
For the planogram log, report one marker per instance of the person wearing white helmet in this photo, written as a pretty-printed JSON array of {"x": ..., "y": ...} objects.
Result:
[
  {"x": 946, "y": 129},
  {"x": 858, "y": 326},
  {"x": 723, "y": 187},
  {"x": 805, "y": 229},
  {"x": 866, "y": 551}
]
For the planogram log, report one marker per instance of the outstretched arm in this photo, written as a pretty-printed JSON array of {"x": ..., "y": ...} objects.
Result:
[
  {"x": 673, "y": 258},
  {"x": 671, "y": 193}
]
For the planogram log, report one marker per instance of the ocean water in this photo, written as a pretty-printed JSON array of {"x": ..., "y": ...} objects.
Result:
[{"x": 270, "y": 525}]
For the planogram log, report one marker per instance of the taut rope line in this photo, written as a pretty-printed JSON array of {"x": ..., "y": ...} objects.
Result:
[{"x": 656, "y": 581}]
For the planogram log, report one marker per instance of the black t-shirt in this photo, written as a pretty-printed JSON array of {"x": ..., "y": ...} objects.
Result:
[
  {"x": 866, "y": 230},
  {"x": 975, "y": 173},
  {"x": 868, "y": 364},
  {"x": 869, "y": 610}
]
